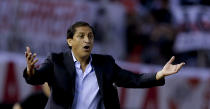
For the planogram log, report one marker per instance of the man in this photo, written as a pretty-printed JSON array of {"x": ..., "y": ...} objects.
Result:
[{"x": 81, "y": 80}]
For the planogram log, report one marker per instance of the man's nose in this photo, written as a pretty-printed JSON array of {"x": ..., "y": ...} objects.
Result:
[{"x": 86, "y": 39}]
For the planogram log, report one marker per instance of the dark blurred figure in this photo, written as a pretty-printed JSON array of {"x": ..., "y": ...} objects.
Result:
[
  {"x": 150, "y": 34},
  {"x": 163, "y": 37},
  {"x": 162, "y": 13},
  {"x": 189, "y": 2},
  {"x": 99, "y": 26},
  {"x": 205, "y": 2},
  {"x": 36, "y": 100}
]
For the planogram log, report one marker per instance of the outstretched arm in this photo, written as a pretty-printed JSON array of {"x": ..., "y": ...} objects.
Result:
[{"x": 169, "y": 69}]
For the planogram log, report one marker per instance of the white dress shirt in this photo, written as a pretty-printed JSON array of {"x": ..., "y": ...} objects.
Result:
[{"x": 86, "y": 88}]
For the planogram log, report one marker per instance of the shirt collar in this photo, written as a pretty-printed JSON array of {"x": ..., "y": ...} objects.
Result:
[{"x": 75, "y": 60}]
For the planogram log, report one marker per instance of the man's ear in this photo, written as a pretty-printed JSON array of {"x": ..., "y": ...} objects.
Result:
[{"x": 69, "y": 41}]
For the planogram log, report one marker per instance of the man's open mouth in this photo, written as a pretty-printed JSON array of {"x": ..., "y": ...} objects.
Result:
[{"x": 87, "y": 47}]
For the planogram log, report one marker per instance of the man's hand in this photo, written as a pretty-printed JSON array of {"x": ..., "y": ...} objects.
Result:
[
  {"x": 30, "y": 61},
  {"x": 169, "y": 69}
]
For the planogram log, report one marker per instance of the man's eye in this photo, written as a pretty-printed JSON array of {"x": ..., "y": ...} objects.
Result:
[
  {"x": 81, "y": 36},
  {"x": 90, "y": 36}
]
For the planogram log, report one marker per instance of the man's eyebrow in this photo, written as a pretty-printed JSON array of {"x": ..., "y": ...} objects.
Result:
[
  {"x": 80, "y": 33},
  {"x": 90, "y": 32}
]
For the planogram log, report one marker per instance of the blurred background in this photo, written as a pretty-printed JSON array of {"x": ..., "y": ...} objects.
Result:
[{"x": 141, "y": 35}]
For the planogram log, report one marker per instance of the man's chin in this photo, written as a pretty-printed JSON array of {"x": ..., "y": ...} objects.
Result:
[{"x": 86, "y": 53}]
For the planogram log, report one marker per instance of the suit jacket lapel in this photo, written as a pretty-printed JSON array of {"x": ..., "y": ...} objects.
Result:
[
  {"x": 69, "y": 64},
  {"x": 98, "y": 72}
]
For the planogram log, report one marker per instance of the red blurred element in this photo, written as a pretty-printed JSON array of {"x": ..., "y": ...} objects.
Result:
[
  {"x": 135, "y": 54},
  {"x": 130, "y": 5},
  {"x": 123, "y": 97},
  {"x": 37, "y": 88},
  {"x": 11, "y": 89},
  {"x": 206, "y": 96},
  {"x": 151, "y": 100},
  {"x": 194, "y": 82},
  {"x": 172, "y": 105}
]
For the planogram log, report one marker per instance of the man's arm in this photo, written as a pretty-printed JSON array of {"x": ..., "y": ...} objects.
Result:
[
  {"x": 124, "y": 78},
  {"x": 127, "y": 79}
]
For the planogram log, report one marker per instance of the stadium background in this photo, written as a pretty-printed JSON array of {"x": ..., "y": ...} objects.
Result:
[{"x": 140, "y": 34}]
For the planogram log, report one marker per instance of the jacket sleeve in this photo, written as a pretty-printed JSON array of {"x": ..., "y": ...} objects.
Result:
[
  {"x": 127, "y": 79},
  {"x": 42, "y": 74}
]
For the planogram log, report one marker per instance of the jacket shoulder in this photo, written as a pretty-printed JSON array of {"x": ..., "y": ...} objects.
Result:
[
  {"x": 102, "y": 58},
  {"x": 56, "y": 56}
]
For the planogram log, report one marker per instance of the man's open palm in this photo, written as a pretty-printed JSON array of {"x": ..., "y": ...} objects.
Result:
[
  {"x": 30, "y": 61},
  {"x": 169, "y": 69}
]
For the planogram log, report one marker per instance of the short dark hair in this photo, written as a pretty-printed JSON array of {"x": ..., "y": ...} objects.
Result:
[{"x": 72, "y": 29}]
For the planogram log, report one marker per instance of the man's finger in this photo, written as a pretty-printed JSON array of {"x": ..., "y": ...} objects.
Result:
[
  {"x": 28, "y": 50},
  {"x": 34, "y": 62},
  {"x": 29, "y": 56},
  {"x": 26, "y": 54},
  {"x": 180, "y": 66},
  {"x": 34, "y": 55},
  {"x": 171, "y": 60}
]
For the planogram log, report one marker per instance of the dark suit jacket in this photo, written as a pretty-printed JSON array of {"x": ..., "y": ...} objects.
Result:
[{"x": 59, "y": 71}]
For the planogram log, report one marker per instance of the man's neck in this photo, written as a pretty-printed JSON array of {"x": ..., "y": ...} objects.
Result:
[
  {"x": 82, "y": 60},
  {"x": 83, "y": 63}
]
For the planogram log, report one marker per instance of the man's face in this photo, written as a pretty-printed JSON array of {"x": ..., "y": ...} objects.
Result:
[{"x": 82, "y": 41}]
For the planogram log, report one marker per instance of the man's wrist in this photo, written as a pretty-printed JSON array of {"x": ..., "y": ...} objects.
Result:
[
  {"x": 30, "y": 72},
  {"x": 159, "y": 75}
]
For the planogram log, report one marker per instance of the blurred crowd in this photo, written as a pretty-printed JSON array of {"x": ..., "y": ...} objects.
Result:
[
  {"x": 150, "y": 33},
  {"x": 152, "y": 30}
]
